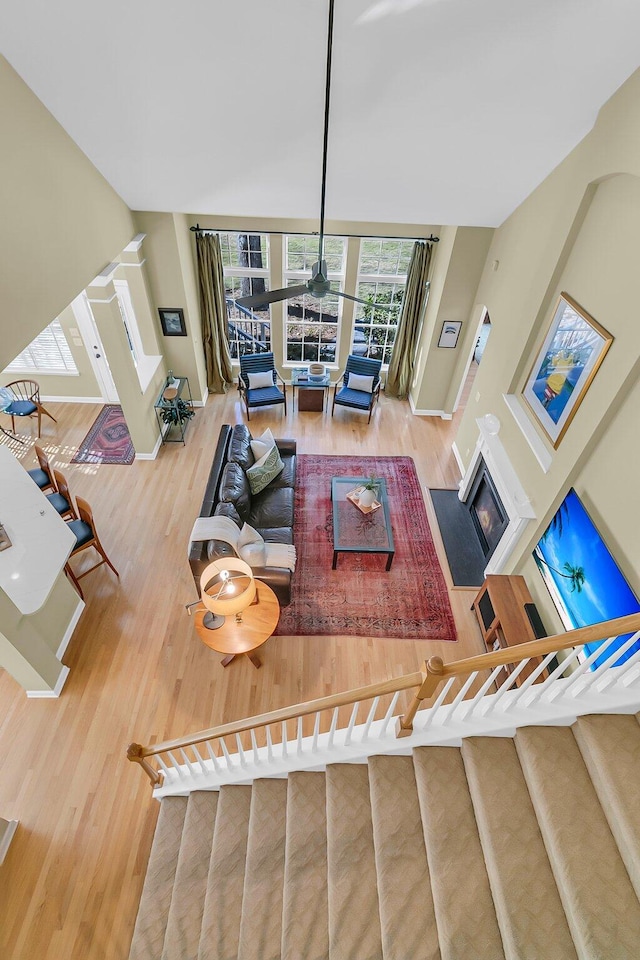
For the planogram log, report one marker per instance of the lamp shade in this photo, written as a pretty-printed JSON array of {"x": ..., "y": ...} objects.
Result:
[{"x": 227, "y": 586}]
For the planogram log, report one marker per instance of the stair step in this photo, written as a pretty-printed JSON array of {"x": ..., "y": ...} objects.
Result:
[
  {"x": 305, "y": 912},
  {"x": 530, "y": 914},
  {"x": 223, "y": 901},
  {"x": 187, "y": 904},
  {"x": 151, "y": 922},
  {"x": 354, "y": 919},
  {"x": 599, "y": 901},
  {"x": 404, "y": 885},
  {"x": 465, "y": 913},
  {"x": 610, "y": 747},
  {"x": 261, "y": 926}
]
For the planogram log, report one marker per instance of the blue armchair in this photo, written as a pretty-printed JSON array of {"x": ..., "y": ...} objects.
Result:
[
  {"x": 260, "y": 366},
  {"x": 345, "y": 394}
]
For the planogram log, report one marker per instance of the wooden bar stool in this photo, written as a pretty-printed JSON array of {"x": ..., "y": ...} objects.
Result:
[
  {"x": 43, "y": 475},
  {"x": 62, "y": 500},
  {"x": 86, "y": 536}
]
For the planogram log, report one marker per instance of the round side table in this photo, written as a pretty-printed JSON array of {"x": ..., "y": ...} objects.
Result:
[{"x": 235, "y": 639}]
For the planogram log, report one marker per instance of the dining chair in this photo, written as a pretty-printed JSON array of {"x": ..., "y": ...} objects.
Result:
[
  {"x": 86, "y": 536},
  {"x": 258, "y": 380},
  {"x": 42, "y": 475},
  {"x": 360, "y": 385},
  {"x": 26, "y": 402},
  {"x": 61, "y": 500}
]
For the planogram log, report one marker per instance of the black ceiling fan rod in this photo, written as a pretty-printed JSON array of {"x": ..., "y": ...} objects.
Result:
[{"x": 325, "y": 143}]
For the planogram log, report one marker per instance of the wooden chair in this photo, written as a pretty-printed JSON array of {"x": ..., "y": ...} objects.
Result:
[
  {"x": 345, "y": 395},
  {"x": 43, "y": 475},
  {"x": 62, "y": 500},
  {"x": 86, "y": 536},
  {"x": 26, "y": 402},
  {"x": 260, "y": 396}
]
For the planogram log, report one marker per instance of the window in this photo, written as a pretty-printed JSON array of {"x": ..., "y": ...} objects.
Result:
[
  {"x": 245, "y": 259},
  {"x": 48, "y": 353},
  {"x": 382, "y": 277},
  {"x": 311, "y": 324}
]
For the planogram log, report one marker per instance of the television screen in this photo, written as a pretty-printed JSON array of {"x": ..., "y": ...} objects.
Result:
[{"x": 585, "y": 582}]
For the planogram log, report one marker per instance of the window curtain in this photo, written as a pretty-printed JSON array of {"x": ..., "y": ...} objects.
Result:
[
  {"x": 213, "y": 311},
  {"x": 400, "y": 373}
]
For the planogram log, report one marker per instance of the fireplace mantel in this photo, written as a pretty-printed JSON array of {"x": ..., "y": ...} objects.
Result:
[{"x": 489, "y": 447}]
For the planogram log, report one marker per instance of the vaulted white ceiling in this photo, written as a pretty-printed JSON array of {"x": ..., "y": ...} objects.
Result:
[{"x": 442, "y": 111}]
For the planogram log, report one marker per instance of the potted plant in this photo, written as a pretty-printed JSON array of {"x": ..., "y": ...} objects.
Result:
[
  {"x": 369, "y": 492},
  {"x": 177, "y": 411}
]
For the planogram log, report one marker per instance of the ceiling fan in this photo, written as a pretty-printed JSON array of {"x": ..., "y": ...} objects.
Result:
[{"x": 318, "y": 284}]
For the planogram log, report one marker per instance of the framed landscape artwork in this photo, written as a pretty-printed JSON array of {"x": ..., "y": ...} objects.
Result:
[
  {"x": 567, "y": 362},
  {"x": 172, "y": 321},
  {"x": 585, "y": 582}
]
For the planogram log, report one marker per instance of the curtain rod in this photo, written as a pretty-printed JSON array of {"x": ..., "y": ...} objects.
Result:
[{"x": 304, "y": 233}]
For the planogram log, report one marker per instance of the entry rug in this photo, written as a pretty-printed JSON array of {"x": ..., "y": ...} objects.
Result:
[
  {"x": 108, "y": 441},
  {"x": 360, "y": 598}
]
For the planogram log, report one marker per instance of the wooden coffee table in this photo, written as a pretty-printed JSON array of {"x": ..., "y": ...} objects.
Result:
[
  {"x": 235, "y": 639},
  {"x": 356, "y": 532}
]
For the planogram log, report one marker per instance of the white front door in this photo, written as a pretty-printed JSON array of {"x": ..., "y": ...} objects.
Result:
[{"x": 89, "y": 333}]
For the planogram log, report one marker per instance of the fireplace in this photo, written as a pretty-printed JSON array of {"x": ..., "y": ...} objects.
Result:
[
  {"x": 492, "y": 492},
  {"x": 489, "y": 516}
]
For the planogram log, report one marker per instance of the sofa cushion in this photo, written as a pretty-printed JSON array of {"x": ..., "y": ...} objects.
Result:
[
  {"x": 240, "y": 447},
  {"x": 287, "y": 477},
  {"x": 277, "y": 534},
  {"x": 234, "y": 488},
  {"x": 272, "y": 508},
  {"x": 228, "y": 510},
  {"x": 264, "y": 470},
  {"x": 263, "y": 444}
]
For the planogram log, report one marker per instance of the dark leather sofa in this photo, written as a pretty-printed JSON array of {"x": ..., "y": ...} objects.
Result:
[{"x": 227, "y": 493}]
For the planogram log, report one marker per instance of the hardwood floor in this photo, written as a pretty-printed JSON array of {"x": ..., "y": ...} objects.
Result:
[{"x": 71, "y": 881}]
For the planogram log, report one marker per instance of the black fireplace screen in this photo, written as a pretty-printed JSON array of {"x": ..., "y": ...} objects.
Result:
[{"x": 487, "y": 512}]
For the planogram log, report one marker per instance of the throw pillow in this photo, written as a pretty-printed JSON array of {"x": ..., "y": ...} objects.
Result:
[
  {"x": 265, "y": 470},
  {"x": 253, "y": 553},
  {"x": 258, "y": 380},
  {"x": 359, "y": 382},
  {"x": 263, "y": 444}
]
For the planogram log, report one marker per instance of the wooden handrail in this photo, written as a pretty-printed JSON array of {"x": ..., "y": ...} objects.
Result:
[
  {"x": 540, "y": 648},
  {"x": 426, "y": 682},
  {"x": 345, "y": 699}
]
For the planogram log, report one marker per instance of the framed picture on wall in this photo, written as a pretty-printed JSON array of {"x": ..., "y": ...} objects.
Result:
[
  {"x": 566, "y": 363},
  {"x": 450, "y": 333},
  {"x": 172, "y": 320}
]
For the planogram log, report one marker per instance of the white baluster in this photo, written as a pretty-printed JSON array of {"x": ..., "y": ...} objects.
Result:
[
  {"x": 243, "y": 760},
  {"x": 284, "y": 740},
  {"x": 230, "y": 764},
  {"x": 607, "y": 666},
  {"x": 480, "y": 694},
  {"x": 431, "y": 712},
  {"x": 316, "y": 731},
  {"x": 254, "y": 747},
  {"x": 511, "y": 679},
  {"x": 332, "y": 729},
  {"x": 199, "y": 758},
  {"x": 269, "y": 745},
  {"x": 460, "y": 697},
  {"x": 299, "y": 750},
  {"x": 189, "y": 764},
  {"x": 212, "y": 757},
  {"x": 352, "y": 720},
  {"x": 372, "y": 713},
  {"x": 389, "y": 713},
  {"x": 176, "y": 766}
]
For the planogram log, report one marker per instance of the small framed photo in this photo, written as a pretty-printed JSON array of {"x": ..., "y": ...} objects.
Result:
[
  {"x": 172, "y": 320},
  {"x": 450, "y": 333},
  {"x": 567, "y": 361}
]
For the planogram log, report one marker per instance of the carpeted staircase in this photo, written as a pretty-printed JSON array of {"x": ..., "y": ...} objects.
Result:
[{"x": 501, "y": 849}]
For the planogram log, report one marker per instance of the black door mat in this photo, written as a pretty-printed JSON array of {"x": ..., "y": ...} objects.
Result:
[{"x": 464, "y": 553}]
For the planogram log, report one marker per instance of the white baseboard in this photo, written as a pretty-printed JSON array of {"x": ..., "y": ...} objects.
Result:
[
  {"x": 77, "y": 613},
  {"x": 458, "y": 458},
  {"x": 7, "y": 837},
  {"x": 428, "y": 413},
  {"x": 74, "y": 399},
  {"x": 49, "y": 694},
  {"x": 154, "y": 452},
  {"x": 203, "y": 402}
]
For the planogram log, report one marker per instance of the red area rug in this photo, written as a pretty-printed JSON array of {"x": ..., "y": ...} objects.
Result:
[
  {"x": 360, "y": 599},
  {"x": 108, "y": 441}
]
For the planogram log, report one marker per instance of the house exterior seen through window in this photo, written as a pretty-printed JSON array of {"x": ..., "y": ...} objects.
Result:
[
  {"x": 311, "y": 324},
  {"x": 382, "y": 277},
  {"x": 245, "y": 259}
]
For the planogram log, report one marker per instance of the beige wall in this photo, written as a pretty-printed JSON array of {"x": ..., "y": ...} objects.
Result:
[
  {"x": 61, "y": 221},
  {"x": 576, "y": 233}
]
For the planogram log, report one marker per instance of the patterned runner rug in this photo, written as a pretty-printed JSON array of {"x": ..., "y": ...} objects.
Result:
[
  {"x": 360, "y": 598},
  {"x": 108, "y": 441}
]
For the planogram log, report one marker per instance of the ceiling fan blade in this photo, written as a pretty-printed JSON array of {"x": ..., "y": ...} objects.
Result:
[
  {"x": 272, "y": 296},
  {"x": 375, "y": 306}
]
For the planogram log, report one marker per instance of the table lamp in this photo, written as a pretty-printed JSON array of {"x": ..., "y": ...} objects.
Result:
[{"x": 227, "y": 587}]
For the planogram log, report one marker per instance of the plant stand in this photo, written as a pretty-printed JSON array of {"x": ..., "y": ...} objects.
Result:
[{"x": 169, "y": 410}]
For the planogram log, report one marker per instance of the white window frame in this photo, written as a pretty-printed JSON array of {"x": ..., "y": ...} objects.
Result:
[
  {"x": 300, "y": 276},
  {"x": 250, "y": 272},
  {"x": 395, "y": 279},
  {"x": 67, "y": 366}
]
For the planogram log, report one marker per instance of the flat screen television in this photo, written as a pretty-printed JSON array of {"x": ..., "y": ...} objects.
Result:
[{"x": 585, "y": 582}]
